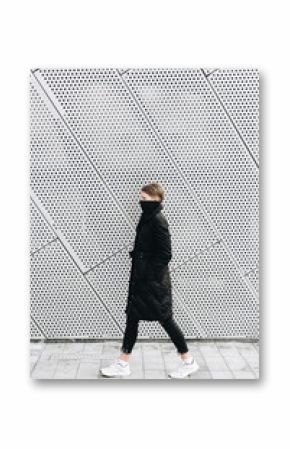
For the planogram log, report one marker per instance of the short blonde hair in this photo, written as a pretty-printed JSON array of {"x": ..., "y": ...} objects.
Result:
[{"x": 154, "y": 189}]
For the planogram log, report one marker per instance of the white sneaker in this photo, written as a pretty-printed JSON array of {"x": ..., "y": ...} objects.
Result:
[
  {"x": 116, "y": 369},
  {"x": 184, "y": 369}
]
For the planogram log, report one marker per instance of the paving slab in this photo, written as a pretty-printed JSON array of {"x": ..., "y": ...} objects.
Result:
[
  {"x": 66, "y": 369},
  {"x": 155, "y": 374},
  {"x": 216, "y": 363},
  {"x": 44, "y": 369},
  {"x": 88, "y": 370}
]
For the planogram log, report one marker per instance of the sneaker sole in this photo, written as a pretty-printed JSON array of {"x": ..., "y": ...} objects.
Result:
[
  {"x": 114, "y": 375},
  {"x": 192, "y": 372}
]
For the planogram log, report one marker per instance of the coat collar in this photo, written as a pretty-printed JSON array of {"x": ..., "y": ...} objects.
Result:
[{"x": 148, "y": 216}]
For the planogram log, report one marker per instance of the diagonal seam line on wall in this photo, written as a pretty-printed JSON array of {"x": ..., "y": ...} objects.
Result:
[
  {"x": 37, "y": 325},
  {"x": 56, "y": 109},
  {"x": 178, "y": 265},
  {"x": 53, "y": 103},
  {"x": 253, "y": 270},
  {"x": 185, "y": 308},
  {"x": 110, "y": 256},
  {"x": 43, "y": 246},
  {"x": 56, "y": 230},
  {"x": 189, "y": 259},
  {"x": 187, "y": 183},
  {"x": 40, "y": 207},
  {"x": 125, "y": 71},
  {"x": 210, "y": 73},
  {"x": 230, "y": 118},
  {"x": 197, "y": 254}
]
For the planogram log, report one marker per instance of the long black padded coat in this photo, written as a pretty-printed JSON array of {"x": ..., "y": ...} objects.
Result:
[{"x": 149, "y": 292}]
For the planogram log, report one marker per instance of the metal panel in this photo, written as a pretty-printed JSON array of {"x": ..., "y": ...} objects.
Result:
[
  {"x": 71, "y": 190},
  {"x": 253, "y": 276},
  {"x": 63, "y": 303},
  {"x": 239, "y": 92},
  {"x": 40, "y": 232},
  {"x": 214, "y": 292},
  {"x": 34, "y": 330}
]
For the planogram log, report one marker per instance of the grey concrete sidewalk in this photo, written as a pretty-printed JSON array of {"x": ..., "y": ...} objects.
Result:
[{"x": 149, "y": 360}]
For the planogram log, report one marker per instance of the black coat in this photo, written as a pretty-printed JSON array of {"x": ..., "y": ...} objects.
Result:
[{"x": 149, "y": 293}]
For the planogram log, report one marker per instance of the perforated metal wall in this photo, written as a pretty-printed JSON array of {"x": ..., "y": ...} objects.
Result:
[{"x": 96, "y": 136}]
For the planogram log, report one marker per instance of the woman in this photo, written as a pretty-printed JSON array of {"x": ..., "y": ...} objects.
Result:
[{"x": 149, "y": 294}]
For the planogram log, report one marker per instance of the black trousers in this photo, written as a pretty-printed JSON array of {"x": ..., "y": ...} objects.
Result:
[{"x": 169, "y": 325}]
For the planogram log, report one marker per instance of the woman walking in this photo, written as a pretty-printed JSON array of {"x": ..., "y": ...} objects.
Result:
[{"x": 149, "y": 294}]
